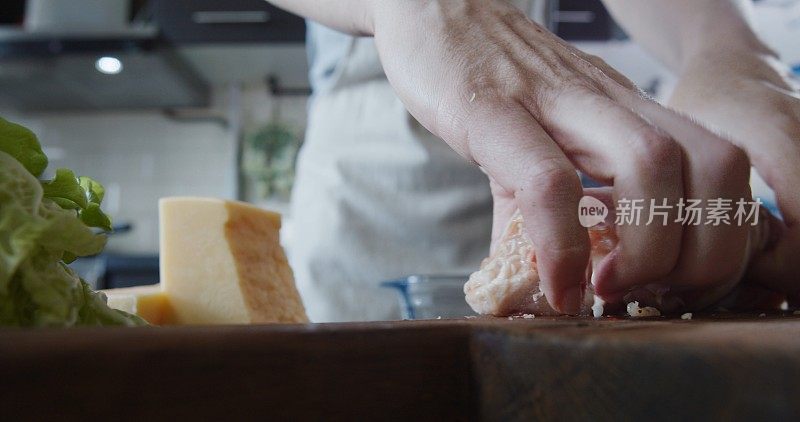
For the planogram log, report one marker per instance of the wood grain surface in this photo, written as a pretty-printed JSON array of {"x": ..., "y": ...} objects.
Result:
[{"x": 478, "y": 369}]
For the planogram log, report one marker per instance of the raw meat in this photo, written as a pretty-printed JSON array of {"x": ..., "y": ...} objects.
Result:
[{"x": 507, "y": 282}]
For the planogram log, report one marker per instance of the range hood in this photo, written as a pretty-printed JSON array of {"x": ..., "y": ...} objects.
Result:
[
  {"x": 123, "y": 69},
  {"x": 165, "y": 58}
]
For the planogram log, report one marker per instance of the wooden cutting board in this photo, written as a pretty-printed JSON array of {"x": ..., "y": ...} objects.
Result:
[{"x": 480, "y": 369}]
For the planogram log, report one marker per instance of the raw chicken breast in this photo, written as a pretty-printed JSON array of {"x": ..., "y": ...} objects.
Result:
[{"x": 507, "y": 282}]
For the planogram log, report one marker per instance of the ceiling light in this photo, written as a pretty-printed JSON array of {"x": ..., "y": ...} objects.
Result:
[{"x": 108, "y": 65}]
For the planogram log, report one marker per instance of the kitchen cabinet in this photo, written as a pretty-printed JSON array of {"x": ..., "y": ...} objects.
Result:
[
  {"x": 582, "y": 20},
  {"x": 238, "y": 21}
]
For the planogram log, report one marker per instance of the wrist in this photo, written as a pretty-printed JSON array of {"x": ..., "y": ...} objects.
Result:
[
  {"x": 386, "y": 13},
  {"x": 729, "y": 47},
  {"x": 725, "y": 30},
  {"x": 735, "y": 62}
]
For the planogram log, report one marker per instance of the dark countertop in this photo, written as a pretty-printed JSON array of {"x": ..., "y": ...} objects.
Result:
[{"x": 469, "y": 369}]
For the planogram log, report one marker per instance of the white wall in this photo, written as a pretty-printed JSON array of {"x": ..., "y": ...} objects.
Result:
[{"x": 139, "y": 157}]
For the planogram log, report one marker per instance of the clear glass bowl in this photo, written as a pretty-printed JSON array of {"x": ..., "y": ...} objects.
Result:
[{"x": 431, "y": 296}]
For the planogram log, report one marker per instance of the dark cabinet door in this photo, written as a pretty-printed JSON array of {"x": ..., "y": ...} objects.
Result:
[
  {"x": 214, "y": 21},
  {"x": 582, "y": 20}
]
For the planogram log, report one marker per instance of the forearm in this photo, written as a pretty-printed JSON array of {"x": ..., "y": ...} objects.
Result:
[
  {"x": 676, "y": 31},
  {"x": 350, "y": 16}
]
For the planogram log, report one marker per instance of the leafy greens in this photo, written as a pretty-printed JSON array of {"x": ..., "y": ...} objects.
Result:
[{"x": 44, "y": 225}]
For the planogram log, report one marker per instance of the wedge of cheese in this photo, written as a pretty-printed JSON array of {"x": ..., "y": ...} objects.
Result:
[
  {"x": 222, "y": 263},
  {"x": 149, "y": 302}
]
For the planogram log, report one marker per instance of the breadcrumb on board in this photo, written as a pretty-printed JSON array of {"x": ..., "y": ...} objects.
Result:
[{"x": 636, "y": 312}]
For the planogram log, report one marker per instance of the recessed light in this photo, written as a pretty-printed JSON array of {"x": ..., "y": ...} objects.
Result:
[{"x": 108, "y": 65}]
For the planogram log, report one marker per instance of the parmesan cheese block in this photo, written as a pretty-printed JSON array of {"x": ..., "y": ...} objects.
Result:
[
  {"x": 149, "y": 302},
  {"x": 222, "y": 263}
]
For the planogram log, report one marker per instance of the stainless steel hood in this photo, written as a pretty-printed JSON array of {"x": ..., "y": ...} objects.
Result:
[
  {"x": 41, "y": 72},
  {"x": 170, "y": 56}
]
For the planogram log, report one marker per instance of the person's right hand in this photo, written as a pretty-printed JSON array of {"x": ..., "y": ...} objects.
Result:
[{"x": 529, "y": 109}]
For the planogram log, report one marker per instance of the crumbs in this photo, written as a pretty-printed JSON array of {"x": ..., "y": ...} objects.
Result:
[
  {"x": 642, "y": 312},
  {"x": 523, "y": 316}
]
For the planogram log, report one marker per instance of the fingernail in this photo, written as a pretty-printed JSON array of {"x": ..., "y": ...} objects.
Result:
[{"x": 572, "y": 300}]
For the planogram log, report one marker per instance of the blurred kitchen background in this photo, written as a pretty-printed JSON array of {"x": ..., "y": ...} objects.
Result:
[{"x": 200, "y": 97}]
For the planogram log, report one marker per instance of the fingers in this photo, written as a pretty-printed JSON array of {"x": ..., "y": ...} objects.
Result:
[
  {"x": 715, "y": 169},
  {"x": 524, "y": 161},
  {"x": 644, "y": 164},
  {"x": 769, "y": 132},
  {"x": 767, "y": 128},
  {"x": 774, "y": 147},
  {"x": 656, "y": 154},
  {"x": 777, "y": 267}
]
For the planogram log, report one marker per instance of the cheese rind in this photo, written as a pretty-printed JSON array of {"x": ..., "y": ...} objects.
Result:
[
  {"x": 265, "y": 277},
  {"x": 222, "y": 263}
]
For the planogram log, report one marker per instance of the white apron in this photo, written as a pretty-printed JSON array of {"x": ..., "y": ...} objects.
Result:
[{"x": 377, "y": 197}]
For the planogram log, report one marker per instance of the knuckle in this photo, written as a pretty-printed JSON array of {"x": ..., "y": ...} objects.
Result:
[
  {"x": 653, "y": 151},
  {"x": 550, "y": 180},
  {"x": 730, "y": 159}
]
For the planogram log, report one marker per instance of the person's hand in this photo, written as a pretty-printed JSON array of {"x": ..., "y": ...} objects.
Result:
[
  {"x": 529, "y": 109},
  {"x": 749, "y": 96}
]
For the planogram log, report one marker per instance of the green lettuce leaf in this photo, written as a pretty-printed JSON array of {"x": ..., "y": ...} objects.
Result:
[
  {"x": 20, "y": 226},
  {"x": 78, "y": 193},
  {"x": 52, "y": 288},
  {"x": 93, "y": 310},
  {"x": 20, "y": 143},
  {"x": 43, "y": 226},
  {"x": 67, "y": 234},
  {"x": 93, "y": 216},
  {"x": 94, "y": 190},
  {"x": 65, "y": 186}
]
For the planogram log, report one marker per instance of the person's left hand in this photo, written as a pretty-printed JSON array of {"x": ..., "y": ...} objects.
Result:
[{"x": 750, "y": 98}]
